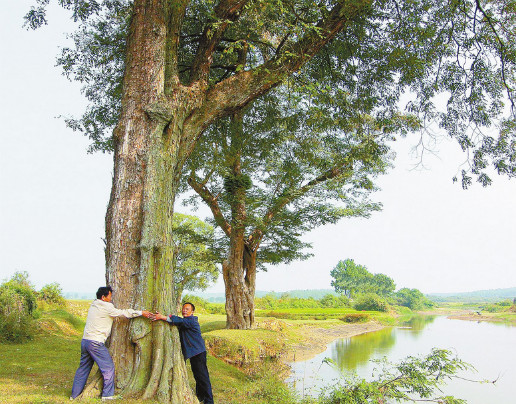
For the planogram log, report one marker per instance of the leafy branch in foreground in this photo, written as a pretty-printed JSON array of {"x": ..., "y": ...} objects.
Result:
[{"x": 414, "y": 379}]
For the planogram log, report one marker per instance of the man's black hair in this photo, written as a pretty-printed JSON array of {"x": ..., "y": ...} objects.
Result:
[
  {"x": 191, "y": 304},
  {"x": 104, "y": 291}
]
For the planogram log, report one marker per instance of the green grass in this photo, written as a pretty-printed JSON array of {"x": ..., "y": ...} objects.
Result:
[
  {"x": 261, "y": 386},
  {"x": 245, "y": 347},
  {"x": 42, "y": 370},
  {"x": 325, "y": 314}
]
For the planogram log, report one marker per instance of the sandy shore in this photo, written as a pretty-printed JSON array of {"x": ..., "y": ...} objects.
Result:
[
  {"x": 317, "y": 338},
  {"x": 474, "y": 317},
  {"x": 467, "y": 315}
]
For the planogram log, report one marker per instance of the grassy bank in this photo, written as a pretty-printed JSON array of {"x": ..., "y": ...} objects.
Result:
[
  {"x": 243, "y": 363},
  {"x": 480, "y": 311}
]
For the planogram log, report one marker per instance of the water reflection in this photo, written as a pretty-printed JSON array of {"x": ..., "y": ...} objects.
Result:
[
  {"x": 488, "y": 347},
  {"x": 352, "y": 352},
  {"x": 417, "y": 323}
]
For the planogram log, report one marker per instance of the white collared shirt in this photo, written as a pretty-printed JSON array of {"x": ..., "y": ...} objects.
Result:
[{"x": 100, "y": 319}]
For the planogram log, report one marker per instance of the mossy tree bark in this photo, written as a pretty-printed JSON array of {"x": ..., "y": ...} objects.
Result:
[
  {"x": 239, "y": 272},
  {"x": 239, "y": 269}
]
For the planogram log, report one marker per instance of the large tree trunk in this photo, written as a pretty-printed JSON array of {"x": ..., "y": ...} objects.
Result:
[
  {"x": 139, "y": 250},
  {"x": 239, "y": 272},
  {"x": 139, "y": 257}
]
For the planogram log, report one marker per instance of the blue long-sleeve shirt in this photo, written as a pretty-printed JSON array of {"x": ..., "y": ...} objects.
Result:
[{"x": 190, "y": 333}]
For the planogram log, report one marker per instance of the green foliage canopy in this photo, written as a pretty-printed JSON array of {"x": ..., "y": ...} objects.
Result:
[
  {"x": 52, "y": 293},
  {"x": 195, "y": 267},
  {"x": 351, "y": 279},
  {"x": 414, "y": 299},
  {"x": 294, "y": 172},
  {"x": 454, "y": 60}
]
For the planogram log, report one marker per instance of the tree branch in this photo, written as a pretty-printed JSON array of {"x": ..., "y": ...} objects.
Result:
[
  {"x": 282, "y": 201},
  {"x": 503, "y": 52},
  {"x": 211, "y": 201},
  {"x": 225, "y": 12},
  {"x": 238, "y": 90},
  {"x": 176, "y": 11}
]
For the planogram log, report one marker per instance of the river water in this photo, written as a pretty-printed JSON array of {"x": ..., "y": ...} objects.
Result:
[{"x": 489, "y": 347}]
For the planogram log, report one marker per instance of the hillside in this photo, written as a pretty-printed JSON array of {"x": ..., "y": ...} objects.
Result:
[{"x": 491, "y": 295}]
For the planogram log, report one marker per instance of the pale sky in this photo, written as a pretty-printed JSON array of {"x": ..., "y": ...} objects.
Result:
[{"x": 431, "y": 234}]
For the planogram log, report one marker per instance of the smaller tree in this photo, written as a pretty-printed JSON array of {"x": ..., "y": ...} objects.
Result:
[
  {"x": 194, "y": 261},
  {"x": 351, "y": 279},
  {"x": 382, "y": 285},
  {"x": 21, "y": 285},
  {"x": 52, "y": 293},
  {"x": 347, "y": 276},
  {"x": 414, "y": 299}
]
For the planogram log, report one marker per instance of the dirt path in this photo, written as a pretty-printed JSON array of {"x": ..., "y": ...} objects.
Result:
[{"x": 317, "y": 338}]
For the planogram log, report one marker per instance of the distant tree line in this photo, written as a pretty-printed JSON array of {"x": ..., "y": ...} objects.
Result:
[{"x": 373, "y": 291}]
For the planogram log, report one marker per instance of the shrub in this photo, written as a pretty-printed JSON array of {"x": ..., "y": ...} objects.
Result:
[
  {"x": 52, "y": 294},
  {"x": 15, "y": 322},
  {"x": 413, "y": 299},
  {"x": 335, "y": 301},
  {"x": 20, "y": 284},
  {"x": 371, "y": 302},
  {"x": 416, "y": 379},
  {"x": 17, "y": 308},
  {"x": 355, "y": 318},
  {"x": 203, "y": 306},
  {"x": 504, "y": 305},
  {"x": 285, "y": 301},
  {"x": 216, "y": 308}
]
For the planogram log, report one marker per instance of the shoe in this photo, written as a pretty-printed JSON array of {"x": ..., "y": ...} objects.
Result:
[{"x": 118, "y": 397}]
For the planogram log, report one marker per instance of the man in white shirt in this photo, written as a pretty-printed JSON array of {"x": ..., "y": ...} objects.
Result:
[{"x": 97, "y": 330}]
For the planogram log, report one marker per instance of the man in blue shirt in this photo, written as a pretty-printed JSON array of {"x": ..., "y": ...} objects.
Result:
[{"x": 193, "y": 348}]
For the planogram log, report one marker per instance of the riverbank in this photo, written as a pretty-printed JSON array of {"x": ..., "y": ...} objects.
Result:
[
  {"x": 472, "y": 315},
  {"x": 315, "y": 338}
]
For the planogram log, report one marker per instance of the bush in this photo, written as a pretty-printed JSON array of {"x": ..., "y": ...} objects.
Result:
[
  {"x": 413, "y": 299},
  {"x": 504, "y": 305},
  {"x": 305, "y": 314},
  {"x": 52, "y": 294},
  {"x": 15, "y": 321},
  {"x": 17, "y": 308},
  {"x": 371, "y": 302},
  {"x": 355, "y": 318},
  {"x": 335, "y": 301},
  {"x": 285, "y": 301},
  {"x": 20, "y": 284},
  {"x": 413, "y": 379},
  {"x": 203, "y": 306}
]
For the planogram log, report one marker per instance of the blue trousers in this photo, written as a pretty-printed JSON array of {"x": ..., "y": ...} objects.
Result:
[
  {"x": 93, "y": 351},
  {"x": 202, "y": 378}
]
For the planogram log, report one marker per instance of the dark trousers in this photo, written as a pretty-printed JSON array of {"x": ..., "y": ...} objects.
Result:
[
  {"x": 202, "y": 378},
  {"x": 93, "y": 351}
]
